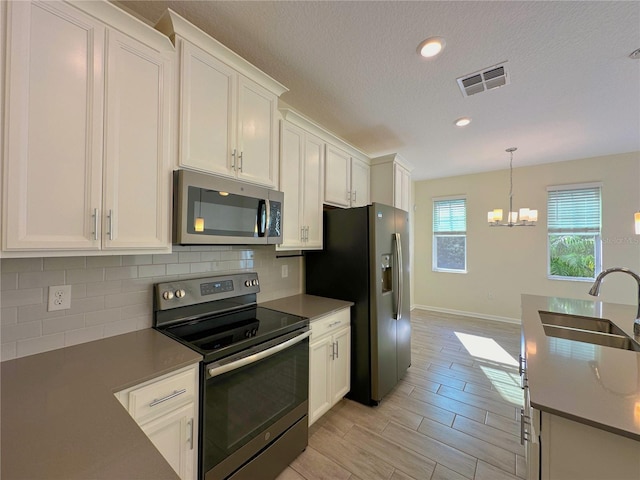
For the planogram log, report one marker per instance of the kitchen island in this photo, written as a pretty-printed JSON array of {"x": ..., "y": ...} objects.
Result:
[
  {"x": 61, "y": 420},
  {"x": 582, "y": 400}
]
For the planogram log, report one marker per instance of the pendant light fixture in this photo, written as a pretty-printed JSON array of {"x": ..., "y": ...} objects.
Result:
[{"x": 527, "y": 217}]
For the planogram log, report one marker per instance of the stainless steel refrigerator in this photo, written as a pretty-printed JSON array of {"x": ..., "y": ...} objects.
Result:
[{"x": 366, "y": 260}]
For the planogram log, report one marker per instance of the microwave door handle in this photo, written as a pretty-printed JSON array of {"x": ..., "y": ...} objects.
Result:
[
  {"x": 214, "y": 370},
  {"x": 267, "y": 223},
  {"x": 261, "y": 218}
]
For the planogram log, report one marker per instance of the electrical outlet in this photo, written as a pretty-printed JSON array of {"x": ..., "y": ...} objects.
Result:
[
  {"x": 59, "y": 297},
  {"x": 285, "y": 271}
]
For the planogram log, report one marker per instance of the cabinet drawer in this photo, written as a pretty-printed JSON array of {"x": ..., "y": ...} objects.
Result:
[
  {"x": 330, "y": 323},
  {"x": 163, "y": 395}
]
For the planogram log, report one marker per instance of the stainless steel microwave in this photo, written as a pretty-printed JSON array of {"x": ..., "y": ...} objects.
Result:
[{"x": 210, "y": 210}]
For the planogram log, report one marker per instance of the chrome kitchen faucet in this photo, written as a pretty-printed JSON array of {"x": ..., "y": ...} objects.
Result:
[{"x": 595, "y": 290}]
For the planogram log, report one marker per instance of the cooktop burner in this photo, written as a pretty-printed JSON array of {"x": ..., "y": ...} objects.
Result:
[{"x": 218, "y": 316}]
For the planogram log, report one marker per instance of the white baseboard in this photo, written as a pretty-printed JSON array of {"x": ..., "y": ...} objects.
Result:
[{"x": 462, "y": 313}]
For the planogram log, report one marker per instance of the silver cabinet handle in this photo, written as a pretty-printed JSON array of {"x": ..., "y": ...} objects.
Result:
[
  {"x": 355, "y": 196},
  {"x": 524, "y": 420},
  {"x": 349, "y": 195},
  {"x": 233, "y": 159},
  {"x": 302, "y": 234},
  {"x": 333, "y": 350},
  {"x": 110, "y": 218},
  {"x": 240, "y": 160},
  {"x": 168, "y": 397},
  {"x": 306, "y": 235},
  {"x": 337, "y": 350},
  {"x": 190, "y": 427},
  {"x": 95, "y": 223},
  {"x": 333, "y": 324}
]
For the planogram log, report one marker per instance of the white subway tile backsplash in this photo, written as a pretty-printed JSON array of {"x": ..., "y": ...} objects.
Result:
[
  {"x": 120, "y": 273},
  {"x": 9, "y": 316},
  {"x": 39, "y": 345},
  {"x": 137, "y": 260},
  {"x": 8, "y": 351},
  {"x": 189, "y": 257},
  {"x": 64, "y": 263},
  {"x": 62, "y": 324},
  {"x": 16, "y": 298},
  {"x": 22, "y": 265},
  {"x": 105, "y": 261},
  {"x": 29, "y": 313},
  {"x": 113, "y": 294},
  {"x": 102, "y": 316},
  {"x": 40, "y": 279},
  {"x": 152, "y": 271},
  {"x": 21, "y": 331},
  {"x": 83, "y": 335},
  {"x": 85, "y": 275},
  {"x": 9, "y": 281}
]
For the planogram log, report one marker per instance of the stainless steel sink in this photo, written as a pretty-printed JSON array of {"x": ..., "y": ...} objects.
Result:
[
  {"x": 591, "y": 324},
  {"x": 597, "y": 331}
]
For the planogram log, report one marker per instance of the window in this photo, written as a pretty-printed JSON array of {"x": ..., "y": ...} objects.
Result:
[
  {"x": 573, "y": 222},
  {"x": 450, "y": 235}
]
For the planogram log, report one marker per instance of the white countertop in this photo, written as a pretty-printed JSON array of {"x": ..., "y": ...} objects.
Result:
[{"x": 592, "y": 384}]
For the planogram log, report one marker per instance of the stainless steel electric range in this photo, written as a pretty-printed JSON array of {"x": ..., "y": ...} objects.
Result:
[{"x": 254, "y": 378}]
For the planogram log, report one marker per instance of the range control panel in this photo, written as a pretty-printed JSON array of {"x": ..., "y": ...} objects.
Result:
[{"x": 180, "y": 293}]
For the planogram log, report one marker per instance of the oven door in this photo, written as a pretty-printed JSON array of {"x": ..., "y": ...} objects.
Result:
[{"x": 252, "y": 400}]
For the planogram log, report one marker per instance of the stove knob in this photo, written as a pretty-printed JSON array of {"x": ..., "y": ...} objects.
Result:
[
  {"x": 180, "y": 293},
  {"x": 247, "y": 283},
  {"x": 167, "y": 295},
  {"x": 254, "y": 282},
  {"x": 247, "y": 334},
  {"x": 254, "y": 332}
]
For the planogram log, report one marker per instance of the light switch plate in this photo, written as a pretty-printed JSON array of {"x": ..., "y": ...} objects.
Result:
[
  {"x": 285, "y": 271},
  {"x": 59, "y": 297}
]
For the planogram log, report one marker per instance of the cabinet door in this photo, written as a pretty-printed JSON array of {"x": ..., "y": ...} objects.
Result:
[
  {"x": 175, "y": 437},
  {"x": 256, "y": 133},
  {"x": 360, "y": 180},
  {"x": 291, "y": 154},
  {"x": 312, "y": 190},
  {"x": 341, "y": 365},
  {"x": 320, "y": 353},
  {"x": 207, "y": 112},
  {"x": 337, "y": 179},
  {"x": 52, "y": 169},
  {"x": 402, "y": 188},
  {"x": 137, "y": 166}
]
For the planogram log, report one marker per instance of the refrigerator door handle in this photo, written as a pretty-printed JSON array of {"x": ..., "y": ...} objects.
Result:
[{"x": 398, "y": 315}]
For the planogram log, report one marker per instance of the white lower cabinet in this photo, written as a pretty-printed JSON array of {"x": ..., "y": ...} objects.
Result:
[
  {"x": 166, "y": 410},
  {"x": 329, "y": 362}
]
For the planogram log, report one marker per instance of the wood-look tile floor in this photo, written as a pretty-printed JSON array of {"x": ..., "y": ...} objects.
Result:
[{"x": 455, "y": 415}]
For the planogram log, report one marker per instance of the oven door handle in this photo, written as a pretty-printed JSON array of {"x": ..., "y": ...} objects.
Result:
[{"x": 216, "y": 369}]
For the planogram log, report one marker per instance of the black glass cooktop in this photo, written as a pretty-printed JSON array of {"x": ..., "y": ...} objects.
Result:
[{"x": 219, "y": 335}]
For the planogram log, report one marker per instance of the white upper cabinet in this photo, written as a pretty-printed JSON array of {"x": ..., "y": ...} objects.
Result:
[
  {"x": 346, "y": 178},
  {"x": 227, "y": 108},
  {"x": 391, "y": 181},
  {"x": 87, "y": 113},
  {"x": 301, "y": 163},
  {"x": 337, "y": 179}
]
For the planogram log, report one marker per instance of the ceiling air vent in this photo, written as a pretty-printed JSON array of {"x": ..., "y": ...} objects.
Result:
[{"x": 486, "y": 79}]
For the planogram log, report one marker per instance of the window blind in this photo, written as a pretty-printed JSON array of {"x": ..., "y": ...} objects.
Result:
[
  {"x": 576, "y": 210},
  {"x": 450, "y": 216}
]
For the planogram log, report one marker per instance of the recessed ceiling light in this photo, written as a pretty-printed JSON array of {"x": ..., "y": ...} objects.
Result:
[
  {"x": 463, "y": 122},
  {"x": 431, "y": 47}
]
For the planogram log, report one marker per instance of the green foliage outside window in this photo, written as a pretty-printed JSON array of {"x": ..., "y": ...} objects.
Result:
[{"x": 572, "y": 255}]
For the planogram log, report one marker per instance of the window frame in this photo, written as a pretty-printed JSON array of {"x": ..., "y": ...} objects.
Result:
[
  {"x": 597, "y": 235},
  {"x": 452, "y": 233}
]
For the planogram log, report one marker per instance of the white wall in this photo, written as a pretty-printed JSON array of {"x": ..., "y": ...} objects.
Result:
[
  {"x": 111, "y": 295},
  {"x": 502, "y": 263}
]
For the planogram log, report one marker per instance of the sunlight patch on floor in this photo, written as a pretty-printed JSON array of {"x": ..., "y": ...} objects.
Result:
[
  {"x": 486, "y": 348},
  {"x": 506, "y": 384}
]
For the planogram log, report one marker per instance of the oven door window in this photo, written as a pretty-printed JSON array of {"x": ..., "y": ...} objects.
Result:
[
  {"x": 241, "y": 404},
  {"x": 212, "y": 212}
]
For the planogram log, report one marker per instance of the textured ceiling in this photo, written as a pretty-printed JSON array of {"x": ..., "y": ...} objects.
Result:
[{"x": 352, "y": 67}]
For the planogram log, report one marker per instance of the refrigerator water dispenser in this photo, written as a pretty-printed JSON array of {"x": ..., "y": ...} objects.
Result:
[{"x": 387, "y": 273}]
